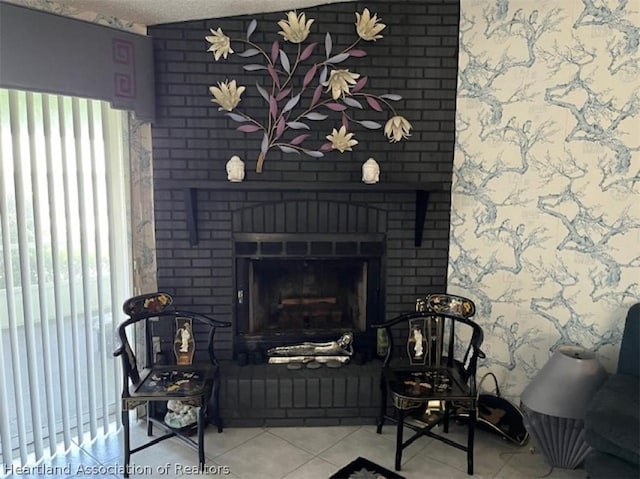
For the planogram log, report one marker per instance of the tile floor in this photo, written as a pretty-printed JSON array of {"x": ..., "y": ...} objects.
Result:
[{"x": 301, "y": 453}]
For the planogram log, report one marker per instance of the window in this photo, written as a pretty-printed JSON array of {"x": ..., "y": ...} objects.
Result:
[{"x": 64, "y": 269}]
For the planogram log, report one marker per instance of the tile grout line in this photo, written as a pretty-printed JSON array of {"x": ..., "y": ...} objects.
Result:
[
  {"x": 263, "y": 431},
  {"x": 314, "y": 455}
]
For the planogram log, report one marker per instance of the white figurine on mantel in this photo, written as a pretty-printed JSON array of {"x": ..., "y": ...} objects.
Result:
[
  {"x": 235, "y": 169},
  {"x": 370, "y": 172}
]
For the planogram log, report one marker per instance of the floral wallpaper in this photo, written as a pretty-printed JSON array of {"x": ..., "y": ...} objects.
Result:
[
  {"x": 143, "y": 230},
  {"x": 545, "y": 222},
  {"x": 138, "y": 136}
]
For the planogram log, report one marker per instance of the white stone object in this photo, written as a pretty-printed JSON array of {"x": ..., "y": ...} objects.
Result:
[
  {"x": 235, "y": 169},
  {"x": 370, "y": 172}
]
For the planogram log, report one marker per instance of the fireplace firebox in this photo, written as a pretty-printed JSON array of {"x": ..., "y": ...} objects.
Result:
[
  {"x": 293, "y": 288},
  {"x": 307, "y": 295}
]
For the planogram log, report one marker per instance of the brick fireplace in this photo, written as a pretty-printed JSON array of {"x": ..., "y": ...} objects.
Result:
[{"x": 390, "y": 239}]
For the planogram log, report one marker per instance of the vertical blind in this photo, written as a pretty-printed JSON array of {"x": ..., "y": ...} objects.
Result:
[{"x": 64, "y": 270}]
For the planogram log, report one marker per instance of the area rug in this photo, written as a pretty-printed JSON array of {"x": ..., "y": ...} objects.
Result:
[{"x": 363, "y": 468}]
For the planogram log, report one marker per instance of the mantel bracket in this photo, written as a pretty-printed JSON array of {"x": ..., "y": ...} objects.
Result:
[{"x": 422, "y": 203}]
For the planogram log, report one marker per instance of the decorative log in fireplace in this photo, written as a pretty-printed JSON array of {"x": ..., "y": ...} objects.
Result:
[
  {"x": 315, "y": 311},
  {"x": 306, "y": 301}
]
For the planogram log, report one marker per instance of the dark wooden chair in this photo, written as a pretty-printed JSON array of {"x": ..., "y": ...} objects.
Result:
[
  {"x": 430, "y": 369},
  {"x": 190, "y": 386}
]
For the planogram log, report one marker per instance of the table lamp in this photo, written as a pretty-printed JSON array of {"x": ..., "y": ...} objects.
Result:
[{"x": 555, "y": 401}]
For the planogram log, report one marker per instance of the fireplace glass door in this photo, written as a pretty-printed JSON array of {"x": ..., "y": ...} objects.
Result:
[
  {"x": 307, "y": 294},
  {"x": 306, "y": 297}
]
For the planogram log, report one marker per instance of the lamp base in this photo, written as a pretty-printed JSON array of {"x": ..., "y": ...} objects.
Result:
[{"x": 560, "y": 439}]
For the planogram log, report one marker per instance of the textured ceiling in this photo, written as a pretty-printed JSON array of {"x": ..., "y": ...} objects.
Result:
[{"x": 153, "y": 12}]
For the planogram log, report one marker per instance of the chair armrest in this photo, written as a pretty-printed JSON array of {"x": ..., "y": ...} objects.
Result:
[
  {"x": 216, "y": 323},
  {"x": 398, "y": 319}
]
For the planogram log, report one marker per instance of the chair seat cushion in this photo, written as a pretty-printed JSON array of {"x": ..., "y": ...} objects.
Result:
[
  {"x": 605, "y": 466},
  {"x": 612, "y": 421}
]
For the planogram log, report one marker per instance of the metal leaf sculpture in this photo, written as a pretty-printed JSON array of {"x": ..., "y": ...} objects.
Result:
[{"x": 290, "y": 105}]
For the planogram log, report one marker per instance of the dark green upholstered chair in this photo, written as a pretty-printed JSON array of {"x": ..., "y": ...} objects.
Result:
[{"x": 612, "y": 421}]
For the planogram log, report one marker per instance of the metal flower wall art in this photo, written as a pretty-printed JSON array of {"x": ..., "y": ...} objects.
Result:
[{"x": 303, "y": 87}]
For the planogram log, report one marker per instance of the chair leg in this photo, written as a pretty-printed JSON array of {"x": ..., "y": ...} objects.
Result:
[
  {"x": 216, "y": 406},
  {"x": 399, "y": 432},
  {"x": 470, "y": 439},
  {"x": 127, "y": 443},
  {"x": 150, "y": 412},
  {"x": 383, "y": 405},
  {"x": 447, "y": 413},
  {"x": 201, "y": 425}
]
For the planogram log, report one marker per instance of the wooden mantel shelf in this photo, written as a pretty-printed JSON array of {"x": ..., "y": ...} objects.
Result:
[
  {"x": 191, "y": 187},
  {"x": 249, "y": 185}
]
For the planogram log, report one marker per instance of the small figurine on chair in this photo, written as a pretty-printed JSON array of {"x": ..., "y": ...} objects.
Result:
[
  {"x": 184, "y": 344},
  {"x": 416, "y": 343},
  {"x": 418, "y": 348}
]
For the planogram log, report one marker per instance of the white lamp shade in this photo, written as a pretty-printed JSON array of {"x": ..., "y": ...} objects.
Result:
[{"x": 564, "y": 386}]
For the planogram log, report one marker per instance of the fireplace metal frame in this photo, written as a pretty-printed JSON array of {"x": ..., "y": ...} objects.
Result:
[{"x": 251, "y": 246}]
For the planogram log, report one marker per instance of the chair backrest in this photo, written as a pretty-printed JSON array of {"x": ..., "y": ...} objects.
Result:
[
  {"x": 180, "y": 332},
  {"x": 438, "y": 333},
  {"x": 629, "y": 359}
]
